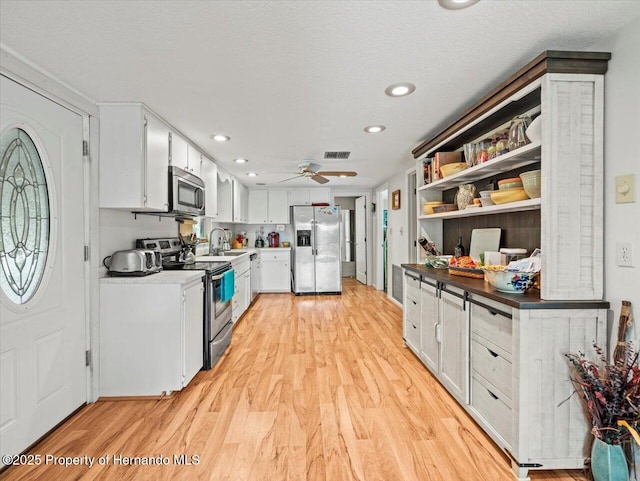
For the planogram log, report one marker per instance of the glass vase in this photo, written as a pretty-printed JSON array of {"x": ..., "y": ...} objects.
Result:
[{"x": 608, "y": 462}]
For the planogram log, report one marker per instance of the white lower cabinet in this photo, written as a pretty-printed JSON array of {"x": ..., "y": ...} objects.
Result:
[
  {"x": 242, "y": 295},
  {"x": 276, "y": 270},
  {"x": 151, "y": 336},
  {"x": 411, "y": 320},
  {"x": 430, "y": 326},
  {"x": 454, "y": 343},
  {"x": 506, "y": 366}
]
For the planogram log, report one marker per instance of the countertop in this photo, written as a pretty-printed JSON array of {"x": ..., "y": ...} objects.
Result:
[
  {"x": 162, "y": 277},
  {"x": 528, "y": 300}
]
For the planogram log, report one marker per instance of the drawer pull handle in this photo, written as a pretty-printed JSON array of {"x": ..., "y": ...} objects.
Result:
[
  {"x": 493, "y": 313},
  {"x": 494, "y": 354},
  {"x": 492, "y": 395}
]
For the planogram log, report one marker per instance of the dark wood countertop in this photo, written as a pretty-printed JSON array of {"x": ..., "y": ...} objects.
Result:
[{"x": 528, "y": 300}]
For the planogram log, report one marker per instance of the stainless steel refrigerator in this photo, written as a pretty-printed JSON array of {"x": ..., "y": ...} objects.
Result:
[{"x": 316, "y": 250}]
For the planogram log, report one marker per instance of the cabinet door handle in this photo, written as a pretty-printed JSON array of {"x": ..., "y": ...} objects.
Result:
[
  {"x": 414, "y": 302},
  {"x": 493, "y": 354},
  {"x": 438, "y": 331},
  {"x": 492, "y": 395}
]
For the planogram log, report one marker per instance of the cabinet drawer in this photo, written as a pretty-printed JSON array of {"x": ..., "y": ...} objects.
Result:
[
  {"x": 487, "y": 403},
  {"x": 269, "y": 255},
  {"x": 491, "y": 325},
  {"x": 412, "y": 282},
  {"x": 413, "y": 310},
  {"x": 493, "y": 367}
]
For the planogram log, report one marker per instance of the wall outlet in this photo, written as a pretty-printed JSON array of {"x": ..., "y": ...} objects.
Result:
[{"x": 624, "y": 254}]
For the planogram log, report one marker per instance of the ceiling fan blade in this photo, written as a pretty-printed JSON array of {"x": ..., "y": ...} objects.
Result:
[
  {"x": 338, "y": 173},
  {"x": 290, "y": 178},
  {"x": 319, "y": 179}
]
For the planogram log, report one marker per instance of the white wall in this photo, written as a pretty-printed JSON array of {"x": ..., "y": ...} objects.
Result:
[
  {"x": 621, "y": 154},
  {"x": 120, "y": 229},
  {"x": 397, "y": 225}
]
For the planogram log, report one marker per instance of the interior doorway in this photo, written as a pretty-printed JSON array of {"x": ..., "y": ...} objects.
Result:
[
  {"x": 381, "y": 248},
  {"x": 347, "y": 234}
]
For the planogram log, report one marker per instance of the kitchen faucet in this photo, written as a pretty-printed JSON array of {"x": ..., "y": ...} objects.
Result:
[{"x": 215, "y": 250}]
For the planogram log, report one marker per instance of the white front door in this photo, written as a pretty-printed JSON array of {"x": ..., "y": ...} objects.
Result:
[
  {"x": 42, "y": 274},
  {"x": 361, "y": 240}
]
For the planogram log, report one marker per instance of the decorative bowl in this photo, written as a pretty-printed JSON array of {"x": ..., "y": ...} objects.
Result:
[
  {"x": 508, "y": 195},
  {"x": 427, "y": 207},
  {"x": 534, "y": 131},
  {"x": 511, "y": 183},
  {"x": 531, "y": 183},
  {"x": 515, "y": 282},
  {"x": 449, "y": 169}
]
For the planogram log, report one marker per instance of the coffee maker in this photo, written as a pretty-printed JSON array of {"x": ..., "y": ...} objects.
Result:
[{"x": 274, "y": 239}]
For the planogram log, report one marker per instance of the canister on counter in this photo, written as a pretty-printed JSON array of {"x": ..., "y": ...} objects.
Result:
[{"x": 513, "y": 254}]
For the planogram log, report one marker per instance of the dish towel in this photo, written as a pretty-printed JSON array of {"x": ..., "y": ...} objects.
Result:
[{"x": 228, "y": 286}]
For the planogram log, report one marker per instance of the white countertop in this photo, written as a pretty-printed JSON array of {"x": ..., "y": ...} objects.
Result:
[
  {"x": 274, "y": 249},
  {"x": 162, "y": 277}
]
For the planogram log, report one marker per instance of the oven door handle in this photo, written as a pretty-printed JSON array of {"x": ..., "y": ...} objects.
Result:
[{"x": 218, "y": 277}]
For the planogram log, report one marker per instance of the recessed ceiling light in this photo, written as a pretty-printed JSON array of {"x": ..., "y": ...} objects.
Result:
[
  {"x": 220, "y": 137},
  {"x": 456, "y": 4},
  {"x": 240, "y": 161},
  {"x": 252, "y": 174},
  {"x": 260, "y": 183},
  {"x": 374, "y": 129},
  {"x": 399, "y": 90}
]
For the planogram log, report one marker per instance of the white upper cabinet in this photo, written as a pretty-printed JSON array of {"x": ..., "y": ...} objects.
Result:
[
  {"x": 278, "y": 206},
  {"x": 268, "y": 206},
  {"x": 134, "y": 158},
  {"x": 179, "y": 152},
  {"x": 299, "y": 197},
  {"x": 309, "y": 196},
  {"x": 225, "y": 197},
  {"x": 240, "y": 202},
  {"x": 319, "y": 195},
  {"x": 209, "y": 175},
  {"x": 194, "y": 161},
  {"x": 258, "y": 206}
]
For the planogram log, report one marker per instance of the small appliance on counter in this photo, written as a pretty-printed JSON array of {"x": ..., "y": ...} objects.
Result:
[
  {"x": 133, "y": 263},
  {"x": 274, "y": 239}
]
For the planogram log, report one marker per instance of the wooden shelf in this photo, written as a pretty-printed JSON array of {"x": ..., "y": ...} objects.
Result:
[
  {"x": 525, "y": 155},
  {"x": 529, "y": 204}
]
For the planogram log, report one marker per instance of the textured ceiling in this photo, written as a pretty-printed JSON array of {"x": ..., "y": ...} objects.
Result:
[{"x": 288, "y": 80}]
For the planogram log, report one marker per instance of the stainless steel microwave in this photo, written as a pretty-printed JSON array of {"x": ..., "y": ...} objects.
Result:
[{"x": 186, "y": 192}]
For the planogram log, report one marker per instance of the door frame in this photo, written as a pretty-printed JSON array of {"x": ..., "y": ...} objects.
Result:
[
  {"x": 412, "y": 219},
  {"x": 382, "y": 196},
  {"x": 369, "y": 223},
  {"x": 32, "y": 77}
]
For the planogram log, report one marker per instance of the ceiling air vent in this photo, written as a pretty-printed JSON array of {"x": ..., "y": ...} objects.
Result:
[{"x": 337, "y": 155}]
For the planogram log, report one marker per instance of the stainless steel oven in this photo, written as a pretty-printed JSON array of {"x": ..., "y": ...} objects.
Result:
[{"x": 218, "y": 332}]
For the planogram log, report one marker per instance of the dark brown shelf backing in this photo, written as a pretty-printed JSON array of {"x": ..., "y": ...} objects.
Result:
[
  {"x": 550, "y": 61},
  {"x": 528, "y": 300}
]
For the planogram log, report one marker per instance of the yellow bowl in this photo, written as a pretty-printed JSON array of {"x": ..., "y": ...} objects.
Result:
[
  {"x": 427, "y": 207},
  {"x": 508, "y": 195},
  {"x": 449, "y": 169}
]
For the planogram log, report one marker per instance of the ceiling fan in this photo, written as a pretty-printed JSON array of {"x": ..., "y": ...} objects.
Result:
[{"x": 311, "y": 170}]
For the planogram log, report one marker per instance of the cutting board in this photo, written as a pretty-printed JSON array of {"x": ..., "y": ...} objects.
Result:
[{"x": 484, "y": 240}]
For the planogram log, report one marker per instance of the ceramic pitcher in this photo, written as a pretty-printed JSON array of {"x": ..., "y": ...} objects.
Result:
[{"x": 465, "y": 195}]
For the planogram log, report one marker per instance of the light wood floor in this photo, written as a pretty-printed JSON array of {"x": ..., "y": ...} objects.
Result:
[{"x": 313, "y": 388}]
